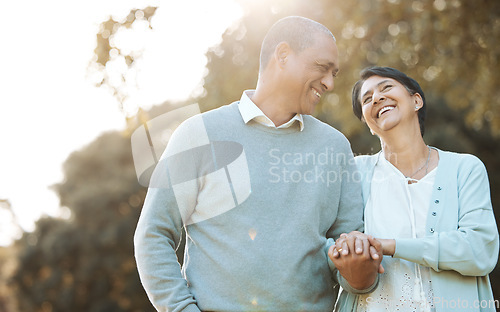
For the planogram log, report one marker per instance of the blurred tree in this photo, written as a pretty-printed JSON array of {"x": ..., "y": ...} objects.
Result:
[
  {"x": 86, "y": 263},
  {"x": 112, "y": 67},
  {"x": 9, "y": 223},
  {"x": 7, "y": 266}
]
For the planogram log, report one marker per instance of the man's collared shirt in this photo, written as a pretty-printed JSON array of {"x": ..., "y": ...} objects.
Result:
[{"x": 250, "y": 111}]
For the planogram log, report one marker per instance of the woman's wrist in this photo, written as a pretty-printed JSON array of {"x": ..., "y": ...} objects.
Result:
[{"x": 388, "y": 246}]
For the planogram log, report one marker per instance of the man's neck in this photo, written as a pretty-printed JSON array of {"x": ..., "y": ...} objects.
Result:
[{"x": 274, "y": 106}]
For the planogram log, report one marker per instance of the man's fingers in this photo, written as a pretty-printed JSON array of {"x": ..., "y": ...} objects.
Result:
[{"x": 381, "y": 268}]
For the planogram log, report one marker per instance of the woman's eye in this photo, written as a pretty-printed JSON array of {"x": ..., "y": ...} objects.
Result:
[
  {"x": 386, "y": 87},
  {"x": 366, "y": 100}
]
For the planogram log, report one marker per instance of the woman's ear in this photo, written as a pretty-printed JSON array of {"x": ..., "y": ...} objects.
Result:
[{"x": 419, "y": 102}]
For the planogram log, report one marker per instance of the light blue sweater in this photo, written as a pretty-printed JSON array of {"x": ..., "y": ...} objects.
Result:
[
  {"x": 259, "y": 249},
  {"x": 461, "y": 246}
]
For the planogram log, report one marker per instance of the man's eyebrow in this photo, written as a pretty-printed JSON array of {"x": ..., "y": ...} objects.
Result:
[{"x": 378, "y": 85}]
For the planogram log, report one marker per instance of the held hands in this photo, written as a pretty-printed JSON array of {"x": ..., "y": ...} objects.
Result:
[
  {"x": 342, "y": 246},
  {"x": 358, "y": 258}
]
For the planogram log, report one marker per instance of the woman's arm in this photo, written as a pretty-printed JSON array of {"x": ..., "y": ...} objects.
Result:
[{"x": 470, "y": 249}]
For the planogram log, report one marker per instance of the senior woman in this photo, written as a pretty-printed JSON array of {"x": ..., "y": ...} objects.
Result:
[{"x": 430, "y": 209}]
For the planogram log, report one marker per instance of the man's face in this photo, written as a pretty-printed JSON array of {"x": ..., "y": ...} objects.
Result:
[{"x": 310, "y": 73}]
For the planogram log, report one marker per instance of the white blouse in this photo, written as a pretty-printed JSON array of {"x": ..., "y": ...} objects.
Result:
[{"x": 396, "y": 209}]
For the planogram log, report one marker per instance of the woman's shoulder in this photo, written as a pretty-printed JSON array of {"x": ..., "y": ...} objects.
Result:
[
  {"x": 462, "y": 163},
  {"x": 365, "y": 160},
  {"x": 460, "y": 159}
]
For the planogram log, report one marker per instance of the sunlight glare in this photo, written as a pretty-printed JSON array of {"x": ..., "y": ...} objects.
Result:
[
  {"x": 64, "y": 105},
  {"x": 252, "y": 233}
]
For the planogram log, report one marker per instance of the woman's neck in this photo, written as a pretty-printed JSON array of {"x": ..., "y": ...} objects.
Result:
[{"x": 408, "y": 153}]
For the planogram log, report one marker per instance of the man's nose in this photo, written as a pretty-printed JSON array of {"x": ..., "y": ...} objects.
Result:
[{"x": 328, "y": 82}]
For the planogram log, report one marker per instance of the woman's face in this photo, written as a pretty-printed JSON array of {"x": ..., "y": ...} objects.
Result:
[{"x": 386, "y": 103}]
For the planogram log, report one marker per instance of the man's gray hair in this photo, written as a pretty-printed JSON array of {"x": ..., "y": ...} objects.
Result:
[{"x": 297, "y": 31}]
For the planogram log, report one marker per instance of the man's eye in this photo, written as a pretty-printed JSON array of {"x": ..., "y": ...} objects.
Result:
[{"x": 323, "y": 68}]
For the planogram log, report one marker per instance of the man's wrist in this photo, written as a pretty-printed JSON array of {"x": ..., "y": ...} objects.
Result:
[{"x": 365, "y": 283}]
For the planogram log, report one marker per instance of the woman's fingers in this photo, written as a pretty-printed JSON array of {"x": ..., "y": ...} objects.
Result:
[
  {"x": 333, "y": 253},
  {"x": 360, "y": 245},
  {"x": 374, "y": 253}
]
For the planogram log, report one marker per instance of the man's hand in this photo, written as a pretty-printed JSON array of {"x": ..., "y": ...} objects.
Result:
[{"x": 359, "y": 268}]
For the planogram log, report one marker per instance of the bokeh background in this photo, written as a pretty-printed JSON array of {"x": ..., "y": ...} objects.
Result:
[{"x": 81, "y": 259}]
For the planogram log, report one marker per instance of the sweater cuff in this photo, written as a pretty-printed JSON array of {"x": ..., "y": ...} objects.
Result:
[
  {"x": 330, "y": 242},
  {"x": 345, "y": 285},
  {"x": 409, "y": 249}
]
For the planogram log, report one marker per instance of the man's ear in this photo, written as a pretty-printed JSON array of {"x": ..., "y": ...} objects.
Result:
[{"x": 282, "y": 52}]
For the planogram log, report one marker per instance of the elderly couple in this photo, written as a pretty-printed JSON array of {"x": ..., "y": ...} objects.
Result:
[{"x": 410, "y": 228}]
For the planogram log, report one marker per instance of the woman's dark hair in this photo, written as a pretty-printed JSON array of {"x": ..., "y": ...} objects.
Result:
[{"x": 387, "y": 72}]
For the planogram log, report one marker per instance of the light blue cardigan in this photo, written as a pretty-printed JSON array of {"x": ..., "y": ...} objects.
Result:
[{"x": 461, "y": 245}]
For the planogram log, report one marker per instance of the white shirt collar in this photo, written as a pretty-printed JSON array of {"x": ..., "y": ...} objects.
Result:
[{"x": 250, "y": 111}]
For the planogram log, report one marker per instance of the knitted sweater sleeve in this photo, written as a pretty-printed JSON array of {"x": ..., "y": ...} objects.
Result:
[
  {"x": 470, "y": 244},
  {"x": 158, "y": 234},
  {"x": 349, "y": 216}
]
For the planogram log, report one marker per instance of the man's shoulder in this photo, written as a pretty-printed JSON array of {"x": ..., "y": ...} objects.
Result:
[
  {"x": 221, "y": 111},
  {"x": 317, "y": 125}
]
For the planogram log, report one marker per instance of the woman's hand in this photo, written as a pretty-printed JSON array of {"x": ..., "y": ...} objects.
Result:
[{"x": 357, "y": 240}]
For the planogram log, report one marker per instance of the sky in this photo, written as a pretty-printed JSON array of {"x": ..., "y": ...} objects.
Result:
[{"x": 49, "y": 106}]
